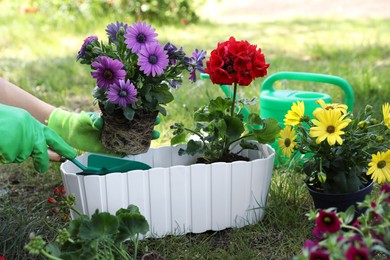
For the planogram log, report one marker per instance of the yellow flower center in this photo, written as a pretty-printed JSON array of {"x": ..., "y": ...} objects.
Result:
[
  {"x": 381, "y": 164},
  {"x": 287, "y": 142},
  {"x": 330, "y": 129},
  {"x": 328, "y": 220}
]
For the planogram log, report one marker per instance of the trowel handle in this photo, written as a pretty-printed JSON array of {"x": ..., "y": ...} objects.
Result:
[{"x": 314, "y": 77}]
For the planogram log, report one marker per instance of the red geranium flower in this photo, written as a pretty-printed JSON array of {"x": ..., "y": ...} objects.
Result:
[
  {"x": 327, "y": 222},
  {"x": 236, "y": 62}
]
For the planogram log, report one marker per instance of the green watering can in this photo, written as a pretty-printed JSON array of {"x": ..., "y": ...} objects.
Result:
[{"x": 276, "y": 103}]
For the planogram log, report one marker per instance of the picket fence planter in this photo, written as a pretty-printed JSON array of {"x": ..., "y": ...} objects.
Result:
[{"x": 178, "y": 196}]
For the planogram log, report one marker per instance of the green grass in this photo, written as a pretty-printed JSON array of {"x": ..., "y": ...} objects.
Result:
[{"x": 40, "y": 57}]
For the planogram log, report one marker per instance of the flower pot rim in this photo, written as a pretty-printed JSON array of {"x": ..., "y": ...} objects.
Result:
[{"x": 368, "y": 186}]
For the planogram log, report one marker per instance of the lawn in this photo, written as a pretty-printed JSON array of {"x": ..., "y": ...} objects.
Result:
[{"x": 38, "y": 54}]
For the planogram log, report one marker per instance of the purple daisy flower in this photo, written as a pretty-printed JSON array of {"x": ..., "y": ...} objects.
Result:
[
  {"x": 174, "y": 54},
  {"x": 112, "y": 30},
  {"x": 152, "y": 59},
  {"x": 137, "y": 35},
  {"x": 87, "y": 41},
  {"x": 108, "y": 71},
  {"x": 195, "y": 63},
  {"x": 122, "y": 93}
]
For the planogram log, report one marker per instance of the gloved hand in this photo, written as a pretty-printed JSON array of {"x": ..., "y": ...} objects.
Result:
[
  {"x": 23, "y": 136},
  {"x": 81, "y": 130}
]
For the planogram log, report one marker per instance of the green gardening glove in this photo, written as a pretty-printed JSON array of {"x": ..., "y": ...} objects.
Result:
[
  {"x": 80, "y": 130},
  {"x": 22, "y": 136}
]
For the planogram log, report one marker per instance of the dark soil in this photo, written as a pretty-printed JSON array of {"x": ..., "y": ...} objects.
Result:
[{"x": 231, "y": 157}]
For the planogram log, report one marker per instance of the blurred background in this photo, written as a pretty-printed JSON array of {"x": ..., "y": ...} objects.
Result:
[{"x": 39, "y": 43}]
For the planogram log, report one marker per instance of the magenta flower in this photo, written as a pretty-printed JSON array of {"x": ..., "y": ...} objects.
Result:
[
  {"x": 87, "y": 41},
  {"x": 122, "y": 93},
  {"x": 108, "y": 71},
  {"x": 361, "y": 253},
  {"x": 385, "y": 188},
  {"x": 138, "y": 35},
  {"x": 152, "y": 59},
  {"x": 327, "y": 222},
  {"x": 319, "y": 254}
]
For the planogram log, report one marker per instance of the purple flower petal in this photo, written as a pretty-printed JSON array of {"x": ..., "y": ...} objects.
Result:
[
  {"x": 137, "y": 35},
  {"x": 123, "y": 93},
  {"x": 108, "y": 71}
]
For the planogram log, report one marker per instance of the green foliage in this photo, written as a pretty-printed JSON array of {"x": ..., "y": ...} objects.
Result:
[
  {"x": 156, "y": 11},
  {"x": 216, "y": 129},
  {"x": 341, "y": 168},
  {"x": 101, "y": 236},
  {"x": 366, "y": 237}
]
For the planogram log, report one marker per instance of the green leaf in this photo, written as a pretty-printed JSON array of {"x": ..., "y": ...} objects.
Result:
[
  {"x": 219, "y": 104},
  {"x": 102, "y": 225},
  {"x": 128, "y": 112},
  {"x": 349, "y": 215},
  {"x": 268, "y": 132},
  {"x": 162, "y": 94},
  {"x": 193, "y": 147},
  {"x": 161, "y": 110},
  {"x": 131, "y": 224},
  {"x": 234, "y": 127},
  {"x": 130, "y": 209},
  {"x": 178, "y": 139}
]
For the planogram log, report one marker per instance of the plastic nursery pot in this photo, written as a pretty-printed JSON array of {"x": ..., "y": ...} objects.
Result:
[{"x": 341, "y": 201}]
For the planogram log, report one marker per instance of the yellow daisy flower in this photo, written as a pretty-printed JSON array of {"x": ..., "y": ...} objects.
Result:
[
  {"x": 286, "y": 141},
  {"x": 380, "y": 167},
  {"x": 295, "y": 115},
  {"x": 386, "y": 114},
  {"x": 329, "y": 125},
  {"x": 334, "y": 106}
]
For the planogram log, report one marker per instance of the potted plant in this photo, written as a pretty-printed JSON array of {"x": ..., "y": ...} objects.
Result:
[
  {"x": 134, "y": 77},
  {"x": 341, "y": 153},
  {"x": 220, "y": 124},
  {"x": 338, "y": 236},
  {"x": 179, "y": 194}
]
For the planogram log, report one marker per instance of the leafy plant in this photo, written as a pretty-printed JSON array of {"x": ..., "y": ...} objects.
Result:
[
  {"x": 340, "y": 149},
  {"x": 100, "y": 236},
  {"x": 217, "y": 130},
  {"x": 133, "y": 71},
  {"x": 339, "y": 236},
  {"x": 221, "y": 122}
]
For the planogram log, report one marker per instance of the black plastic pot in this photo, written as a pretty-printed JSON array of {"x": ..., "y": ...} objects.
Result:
[{"x": 340, "y": 201}]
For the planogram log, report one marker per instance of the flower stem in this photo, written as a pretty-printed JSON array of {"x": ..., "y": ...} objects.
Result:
[{"x": 234, "y": 98}]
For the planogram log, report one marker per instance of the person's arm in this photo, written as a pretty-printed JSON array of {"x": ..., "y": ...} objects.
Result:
[{"x": 12, "y": 95}]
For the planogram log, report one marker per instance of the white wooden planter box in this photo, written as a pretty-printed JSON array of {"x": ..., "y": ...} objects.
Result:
[{"x": 176, "y": 195}]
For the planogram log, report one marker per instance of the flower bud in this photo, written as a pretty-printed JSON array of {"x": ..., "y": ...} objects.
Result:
[
  {"x": 362, "y": 124},
  {"x": 373, "y": 121},
  {"x": 52, "y": 200},
  {"x": 321, "y": 177},
  {"x": 380, "y": 138},
  {"x": 56, "y": 191},
  {"x": 368, "y": 109}
]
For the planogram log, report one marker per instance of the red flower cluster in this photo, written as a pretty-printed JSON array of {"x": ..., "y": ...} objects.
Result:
[
  {"x": 236, "y": 62},
  {"x": 59, "y": 195}
]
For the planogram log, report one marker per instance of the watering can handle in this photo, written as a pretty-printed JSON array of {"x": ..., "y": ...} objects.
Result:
[{"x": 314, "y": 77}]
